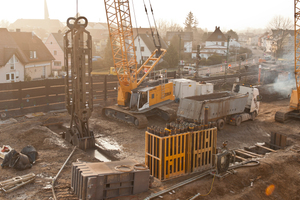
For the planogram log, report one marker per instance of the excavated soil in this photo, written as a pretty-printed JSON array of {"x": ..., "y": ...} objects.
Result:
[{"x": 122, "y": 141}]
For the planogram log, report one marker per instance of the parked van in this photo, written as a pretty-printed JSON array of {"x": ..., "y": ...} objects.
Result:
[{"x": 189, "y": 69}]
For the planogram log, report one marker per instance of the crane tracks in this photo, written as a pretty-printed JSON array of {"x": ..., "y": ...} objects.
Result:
[{"x": 114, "y": 112}]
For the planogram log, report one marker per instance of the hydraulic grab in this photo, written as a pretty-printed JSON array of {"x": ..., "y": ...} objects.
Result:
[
  {"x": 137, "y": 98},
  {"x": 79, "y": 93}
]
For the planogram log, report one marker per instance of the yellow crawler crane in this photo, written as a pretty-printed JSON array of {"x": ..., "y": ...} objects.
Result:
[
  {"x": 294, "y": 109},
  {"x": 137, "y": 98}
]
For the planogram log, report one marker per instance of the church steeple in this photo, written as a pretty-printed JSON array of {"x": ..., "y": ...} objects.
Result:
[{"x": 46, "y": 13}]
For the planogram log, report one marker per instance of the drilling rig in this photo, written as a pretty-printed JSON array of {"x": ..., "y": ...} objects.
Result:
[
  {"x": 78, "y": 82},
  {"x": 294, "y": 109},
  {"x": 137, "y": 99}
]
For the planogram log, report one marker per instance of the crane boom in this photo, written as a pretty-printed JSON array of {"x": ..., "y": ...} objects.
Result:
[{"x": 123, "y": 49}]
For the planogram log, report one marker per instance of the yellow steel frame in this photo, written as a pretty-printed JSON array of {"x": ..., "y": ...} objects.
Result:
[
  {"x": 168, "y": 158},
  {"x": 161, "y": 152},
  {"x": 295, "y": 98},
  {"x": 202, "y": 150},
  {"x": 123, "y": 48}
]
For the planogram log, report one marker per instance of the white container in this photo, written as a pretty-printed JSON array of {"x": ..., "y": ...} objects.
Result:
[
  {"x": 202, "y": 89},
  {"x": 183, "y": 87}
]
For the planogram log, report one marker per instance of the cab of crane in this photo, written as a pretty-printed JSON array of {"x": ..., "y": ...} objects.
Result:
[{"x": 139, "y": 99}]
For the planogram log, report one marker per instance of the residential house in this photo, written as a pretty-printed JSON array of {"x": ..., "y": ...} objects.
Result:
[
  {"x": 278, "y": 42},
  {"x": 186, "y": 38},
  {"x": 253, "y": 40},
  {"x": 137, "y": 31},
  {"x": 100, "y": 35},
  {"x": 11, "y": 59},
  {"x": 55, "y": 44},
  {"x": 262, "y": 40},
  {"x": 216, "y": 43},
  {"x": 144, "y": 46},
  {"x": 243, "y": 38},
  {"x": 288, "y": 46},
  {"x": 23, "y": 56}
]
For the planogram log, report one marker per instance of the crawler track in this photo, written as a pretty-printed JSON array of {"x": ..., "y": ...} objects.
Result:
[{"x": 116, "y": 113}]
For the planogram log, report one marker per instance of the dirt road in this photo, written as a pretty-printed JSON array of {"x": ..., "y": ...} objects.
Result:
[{"x": 121, "y": 141}]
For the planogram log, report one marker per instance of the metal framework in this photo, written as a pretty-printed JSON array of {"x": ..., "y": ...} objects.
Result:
[
  {"x": 297, "y": 48},
  {"x": 123, "y": 48},
  {"x": 79, "y": 93}
]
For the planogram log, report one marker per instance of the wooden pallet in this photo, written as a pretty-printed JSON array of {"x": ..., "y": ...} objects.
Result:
[
  {"x": 16, "y": 182},
  {"x": 244, "y": 154}
]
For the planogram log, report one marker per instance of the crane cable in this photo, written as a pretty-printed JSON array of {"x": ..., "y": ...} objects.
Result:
[
  {"x": 150, "y": 25},
  {"x": 137, "y": 29},
  {"x": 155, "y": 24}
]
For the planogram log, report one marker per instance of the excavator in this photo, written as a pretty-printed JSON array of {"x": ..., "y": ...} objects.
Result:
[
  {"x": 294, "y": 109},
  {"x": 137, "y": 98}
]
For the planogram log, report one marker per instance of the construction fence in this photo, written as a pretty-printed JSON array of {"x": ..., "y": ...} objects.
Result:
[{"x": 21, "y": 98}]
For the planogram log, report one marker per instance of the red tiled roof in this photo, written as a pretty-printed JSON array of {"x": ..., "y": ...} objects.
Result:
[
  {"x": 27, "y": 42},
  {"x": 217, "y": 35}
]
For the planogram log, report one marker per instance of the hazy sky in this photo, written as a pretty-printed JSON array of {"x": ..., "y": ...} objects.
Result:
[{"x": 228, "y": 14}]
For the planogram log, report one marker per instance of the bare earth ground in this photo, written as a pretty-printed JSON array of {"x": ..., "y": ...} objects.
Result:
[{"x": 121, "y": 141}]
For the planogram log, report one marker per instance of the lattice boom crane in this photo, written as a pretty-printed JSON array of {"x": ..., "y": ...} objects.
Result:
[{"x": 133, "y": 97}]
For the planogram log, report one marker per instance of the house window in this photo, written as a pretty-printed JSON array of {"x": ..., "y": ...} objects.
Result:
[
  {"x": 32, "y": 54},
  {"x": 219, "y": 36},
  {"x": 55, "y": 52},
  {"x": 144, "y": 58},
  {"x": 142, "y": 48},
  {"x": 10, "y": 76},
  {"x": 12, "y": 62},
  {"x": 57, "y": 63}
]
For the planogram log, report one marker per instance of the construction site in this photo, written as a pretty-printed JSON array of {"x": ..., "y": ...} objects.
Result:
[{"x": 142, "y": 134}]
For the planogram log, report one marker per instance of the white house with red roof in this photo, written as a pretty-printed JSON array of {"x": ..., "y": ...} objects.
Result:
[
  {"x": 55, "y": 44},
  {"x": 216, "y": 43},
  {"x": 23, "y": 56}
]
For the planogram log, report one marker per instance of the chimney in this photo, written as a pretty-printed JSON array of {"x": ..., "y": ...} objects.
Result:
[{"x": 18, "y": 30}]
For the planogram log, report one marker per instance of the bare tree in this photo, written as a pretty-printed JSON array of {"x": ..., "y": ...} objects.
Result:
[
  {"x": 280, "y": 22},
  {"x": 4, "y": 23},
  {"x": 281, "y": 29},
  {"x": 164, "y": 26}
]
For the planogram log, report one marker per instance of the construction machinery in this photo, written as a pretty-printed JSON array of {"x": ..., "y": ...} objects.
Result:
[
  {"x": 234, "y": 107},
  {"x": 137, "y": 98},
  {"x": 294, "y": 108},
  {"x": 112, "y": 71},
  {"x": 78, "y": 82}
]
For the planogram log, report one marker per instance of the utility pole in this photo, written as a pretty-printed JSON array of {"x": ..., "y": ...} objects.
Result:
[
  {"x": 227, "y": 55},
  {"x": 240, "y": 61},
  {"x": 179, "y": 49},
  {"x": 198, "y": 60}
]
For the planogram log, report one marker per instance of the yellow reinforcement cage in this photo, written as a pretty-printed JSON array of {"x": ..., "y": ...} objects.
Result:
[
  {"x": 201, "y": 149},
  {"x": 176, "y": 155}
]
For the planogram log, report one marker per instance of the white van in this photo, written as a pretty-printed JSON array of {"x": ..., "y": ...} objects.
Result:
[{"x": 189, "y": 69}]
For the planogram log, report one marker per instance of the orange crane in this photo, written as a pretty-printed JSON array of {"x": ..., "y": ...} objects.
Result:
[
  {"x": 137, "y": 98},
  {"x": 294, "y": 108}
]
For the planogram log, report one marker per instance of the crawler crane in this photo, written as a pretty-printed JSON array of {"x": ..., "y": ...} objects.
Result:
[
  {"x": 294, "y": 108},
  {"x": 137, "y": 98}
]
